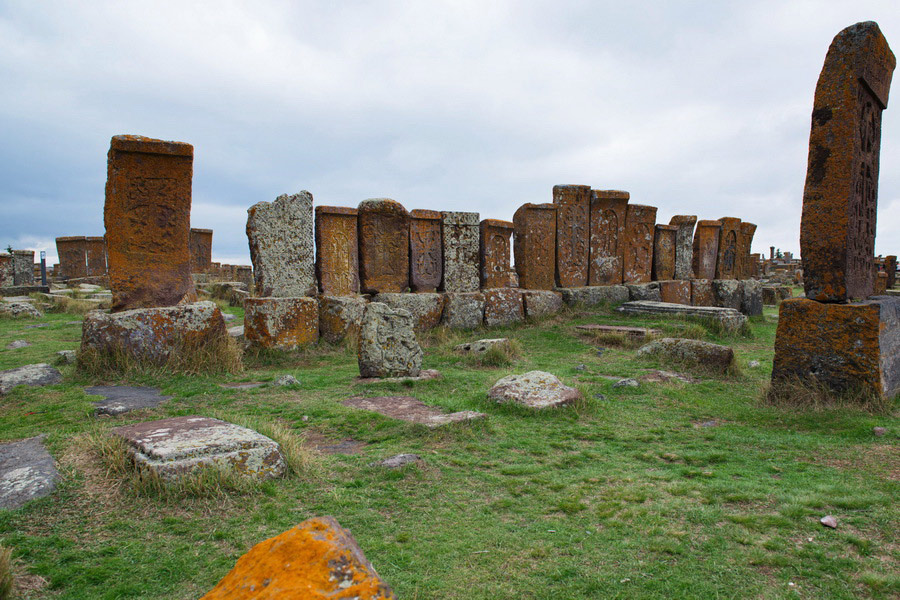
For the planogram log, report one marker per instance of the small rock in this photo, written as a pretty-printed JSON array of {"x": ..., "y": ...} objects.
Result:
[
  {"x": 829, "y": 521},
  {"x": 286, "y": 380},
  {"x": 754, "y": 364},
  {"x": 30, "y": 375},
  {"x": 879, "y": 431},
  {"x": 397, "y": 461},
  {"x": 709, "y": 424},
  {"x": 600, "y": 351},
  {"x": 482, "y": 346},
  {"x": 66, "y": 357},
  {"x": 236, "y": 331},
  {"x": 581, "y": 367},
  {"x": 628, "y": 382},
  {"x": 16, "y": 344},
  {"x": 599, "y": 396},
  {"x": 228, "y": 317},
  {"x": 535, "y": 389}
]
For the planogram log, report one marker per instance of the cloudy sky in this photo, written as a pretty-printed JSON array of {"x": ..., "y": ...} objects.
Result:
[{"x": 695, "y": 107}]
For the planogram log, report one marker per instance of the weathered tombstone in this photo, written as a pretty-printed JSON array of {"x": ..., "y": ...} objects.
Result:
[
  {"x": 608, "y": 213},
  {"x": 201, "y": 250},
  {"x": 282, "y": 245},
  {"x": 387, "y": 344},
  {"x": 837, "y": 229},
  {"x": 573, "y": 225},
  {"x": 684, "y": 245},
  {"x": 744, "y": 241},
  {"x": 72, "y": 256},
  {"x": 147, "y": 216},
  {"x": 383, "y": 246},
  {"x": 495, "y": 253},
  {"x": 95, "y": 251},
  {"x": 727, "y": 257},
  {"x": 706, "y": 249},
  {"x": 639, "y": 229},
  {"x": 337, "y": 250},
  {"x": 460, "y": 231},
  {"x": 7, "y": 276},
  {"x": 23, "y": 267},
  {"x": 534, "y": 246},
  {"x": 890, "y": 267},
  {"x": 426, "y": 256},
  {"x": 664, "y": 242}
]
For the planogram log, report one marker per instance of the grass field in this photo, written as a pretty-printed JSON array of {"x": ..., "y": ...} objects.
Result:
[{"x": 661, "y": 491}]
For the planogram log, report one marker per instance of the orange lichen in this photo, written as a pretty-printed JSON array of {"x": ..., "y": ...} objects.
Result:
[{"x": 283, "y": 323}]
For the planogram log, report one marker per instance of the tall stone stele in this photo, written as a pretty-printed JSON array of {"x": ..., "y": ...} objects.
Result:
[
  {"x": 282, "y": 245},
  {"x": 534, "y": 246},
  {"x": 495, "y": 253},
  {"x": 148, "y": 221},
  {"x": 608, "y": 212},
  {"x": 461, "y": 233},
  {"x": 201, "y": 250},
  {"x": 426, "y": 256},
  {"x": 640, "y": 225},
  {"x": 337, "y": 250},
  {"x": 727, "y": 258},
  {"x": 684, "y": 245},
  {"x": 383, "y": 246},
  {"x": 573, "y": 232},
  {"x": 72, "y": 252},
  {"x": 837, "y": 230},
  {"x": 95, "y": 251}
]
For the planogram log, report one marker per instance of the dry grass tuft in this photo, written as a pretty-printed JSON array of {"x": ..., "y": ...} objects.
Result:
[
  {"x": 811, "y": 394},
  {"x": 7, "y": 582},
  {"x": 501, "y": 355}
]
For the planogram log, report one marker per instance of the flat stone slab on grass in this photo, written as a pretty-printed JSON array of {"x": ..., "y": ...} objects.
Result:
[
  {"x": 482, "y": 346},
  {"x": 244, "y": 385},
  {"x": 397, "y": 461},
  {"x": 172, "y": 448},
  {"x": 30, "y": 375},
  {"x": 407, "y": 408},
  {"x": 320, "y": 443},
  {"x": 27, "y": 471},
  {"x": 637, "y": 333},
  {"x": 120, "y": 399},
  {"x": 424, "y": 375},
  {"x": 731, "y": 319},
  {"x": 535, "y": 389},
  {"x": 666, "y": 377},
  {"x": 714, "y": 357}
]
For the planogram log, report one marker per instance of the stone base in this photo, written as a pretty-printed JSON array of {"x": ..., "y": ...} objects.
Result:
[
  {"x": 340, "y": 317},
  {"x": 675, "y": 291},
  {"x": 463, "y": 310},
  {"x": 151, "y": 334},
  {"x": 702, "y": 293},
  {"x": 729, "y": 293},
  {"x": 281, "y": 323},
  {"x": 24, "y": 290},
  {"x": 644, "y": 291},
  {"x": 425, "y": 307},
  {"x": 172, "y": 448},
  {"x": 503, "y": 306},
  {"x": 541, "y": 303},
  {"x": 730, "y": 319},
  {"x": 846, "y": 347},
  {"x": 595, "y": 294}
]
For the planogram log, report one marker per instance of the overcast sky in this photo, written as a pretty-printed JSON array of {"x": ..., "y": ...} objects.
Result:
[{"x": 694, "y": 107}]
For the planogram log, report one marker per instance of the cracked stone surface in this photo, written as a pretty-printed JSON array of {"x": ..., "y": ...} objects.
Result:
[
  {"x": 407, "y": 408},
  {"x": 27, "y": 471},
  {"x": 535, "y": 389},
  {"x": 30, "y": 375},
  {"x": 120, "y": 399}
]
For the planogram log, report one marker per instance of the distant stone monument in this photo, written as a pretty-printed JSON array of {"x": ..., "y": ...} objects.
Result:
[
  {"x": 23, "y": 267},
  {"x": 684, "y": 245},
  {"x": 383, "y": 246},
  {"x": 495, "y": 253},
  {"x": 706, "y": 249},
  {"x": 573, "y": 230},
  {"x": 664, "y": 244},
  {"x": 95, "y": 252},
  {"x": 890, "y": 267},
  {"x": 282, "y": 246},
  {"x": 72, "y": 256},
  {"x": 640, "y": 223},
  {"x": 147, "y": 217},
  {"x": 426, "y": 256},
  {"x": 745, "y": 240},
  {"x": 534, "y": 246},
  {"x": 727, "y": 258},
  {"x": 608, "y": 212},
  {"x": 7, "y": 276},
  {"x": 337, "y": 250},
  {"x": 460, "y": 231},
  {"x": 201, "y": 250}
]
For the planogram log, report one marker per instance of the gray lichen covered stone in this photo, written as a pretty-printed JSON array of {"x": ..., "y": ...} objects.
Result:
[
  {"x": 461, "y": 235},
  {"x": 595, "y": 294},
  {"x": 463, "y": 310},
  {"x": 751, "y": 298},
  {"x": 340, "y": 317},
  {"x": 27, "y": 471},
  {"x": 482, "y": 346},
  {"x": 175, "y": 447},
  {"x": 541, "y": 303},
  {"x": 20, "y": 310},
  {"x": 120, "y": 399},
  {"x": 412, "y": 410},
  {"x": 30, "y": 375},
  {"x": 644, "y": 291},
  {"x": 282, "y": 246},
  {"x": 729, "y": 318},
  {"x": 690, "y": 352},
  {"x": 503, "y": 306},
  {"x": 425, "y": 307},
  {"x": 387, "y": 343},
  {"x": 535, "y": 389},
  {"x": 729, "y": 293}
]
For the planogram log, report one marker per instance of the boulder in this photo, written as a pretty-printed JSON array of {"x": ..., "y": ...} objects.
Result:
[
  {"x": 387, "y": 343},
  {"x": 151, "y": 334},
  {"x": 595, "y": 294},
  {"x": 316, "y": 560},
  {"x": 173, "y": 448},
  {"x": 425, "y": 307},
  {"x": 281, "y": 323},
  {"x": 535, "y": 389},
  {"x": 644, "y": 291},
  {"x": 66, "y": 357},
  {"x": 27, "y": 471},
  {"x": 464, "y": 310},
  {"x": 30, "y": 375},
  {"x": 20, "y": 309},
  {"x": 503, "y": 306},
  {"x": 541, "y": 303},
  {"x": 690, "y": 352}
]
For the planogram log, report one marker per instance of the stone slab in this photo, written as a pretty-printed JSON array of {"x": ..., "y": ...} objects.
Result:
[
  {"x": 541, "y": 303},
  {"x": 282, "y": 246},
  {"x": 637, "y": 333},
  {"x": 665, "y": 239},
  {"x": 640, "y": 223},
  {"x": 496, "y": 268},
  {"x": 412, "y": 410},
  {"x": 684, "y": 245},
  {"x": 29, "y": 375},
  {"x": 120, "y": 399},
  {"x": 383, "y": 246},
  {"x": 174, "y": 447},
  {"x": 201, "y": 250},
  {"x": 340, "y": 317},
  {"x": 503, "y": 306},
  {"x": 706, "y": 249},
  {"x": 337, "y": 250},
  {"x": 27, "y": 471},
  {"x": 387, "y": 344},
  {"x": 573, "y": 230},
  {"x": 461, "y": 232},
  {"x": 424, "y": 375},
  {"x": 534, "y": 246},
  {"x": 24, "y": 290},
  {"x": 426, "y": 251},
  {"x": 595, "y": 295},
  {"x": 463, "y": 310},
  {"x": 731, "y": 319},
  {"x": 609, "y": 209},
  {"x": 72, "y": 253},
  {"x": 425, "y": 307},
  {"x": 482, "y": 346},
  {"x": 727, "y": 257}
]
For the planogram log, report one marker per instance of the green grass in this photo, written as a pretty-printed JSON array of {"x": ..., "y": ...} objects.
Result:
[{"x": 629, "y": 494}]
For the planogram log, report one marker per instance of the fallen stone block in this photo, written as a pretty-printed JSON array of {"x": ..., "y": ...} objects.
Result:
[
  {"x": 535, "y": 389},
  {"x": 281, "y": 323},
  {"x": 120, "y": 399},
  {"x": 644, "y": 291},
  {"x": 464, "y": 310},
  {"x": 636, "y": 333},
  {"x": 151, "y": 334},
  {"x": 316, "y": 560},
  {"x": 729, "y": 318},
  {"x": 340, "y": 317},
  {"x": 425, "y": 307},
  {"x": 541, "y": 303},
  {"x": 715, "y": 357},
  {"x": 482, "y": 346},
  {"x": 503, "y": 306},
  {"x": 27, "y": 471},
  {"x": 387, "y": 344},
  {"x": 412, "y": 410},
  {"x": 29, "y": 375},
  {"x": 593, "y": 295},
  {"x": 173, "y": 448}
]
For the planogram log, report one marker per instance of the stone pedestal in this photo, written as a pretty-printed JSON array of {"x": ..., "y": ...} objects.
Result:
[
  {"x": 675, "y": 291},
  {"x": 281, "y": 323},
  {"x": 340, "y": 317},
  {"x": 463, "y": 310},
  {"x": 503, "y": 306},
  {"x": 702, "y": 293}
]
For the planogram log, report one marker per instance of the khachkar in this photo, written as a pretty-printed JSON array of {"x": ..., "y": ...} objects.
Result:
[
  {"x": 706, "y": 249},
  {"x": 201, "y": 250},
  {"x": 383, "y": 246},
  {"x": 460, "y": 231},
  {"x": 426, "y": 256},
  {"x": 640, "y": 225},
  {"x": 281, "y": 240},
  {"x": 573, "y": 226},
  {"x": 337, "y": 250},
  {"x": 848, "y": 347},
  {"x": 147, "y": 216},
  {"x": 534, "y": 246},
  {"x": 745, "y": 241},
  {"x": 608, "y": 212},
  {"x": 727, "y": 258},
  {"x": 495, "y": 253},
  {"x": 95, "y": 251},
  {"x": 72, "y": 254},
  {"x": 684, "y": 245}
]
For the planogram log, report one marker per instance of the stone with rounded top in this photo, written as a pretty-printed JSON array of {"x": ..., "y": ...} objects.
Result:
[
  {"x": 282, "y": 246},
  {"x": 383, "y": 246},
  {"x": 535, "y": 389}
]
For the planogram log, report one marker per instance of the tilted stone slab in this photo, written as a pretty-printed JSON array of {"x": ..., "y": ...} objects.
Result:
[
  {"x": 595, "y": 294},
  {"x": 27, "y": 471},
  {"x": 731, "y": 319},
  {"x": 412, "y": 410},
  {"x": 535, "y": 389},
  {"x": 120, "y": 399},
  {"x": 175, "y": 447},
  {"x": 29, "y": 375},
  {"x": 316, "y": 560},
  {"x": 387, "y": 343}
]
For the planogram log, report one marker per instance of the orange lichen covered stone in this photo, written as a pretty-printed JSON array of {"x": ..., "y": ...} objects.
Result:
[
  {"x": 706, "y": 249},
  {"x": 281, "y": 323},
  {"x": 702, "y": 293},
  {"x": 72, "y": 253},
  {"x": 148, "y": 221},
  {"x": 573, "y": 230},
  {"x": 426, "y": 256},
  {"x": 640, "y": 223},
  {"x": 201, "y": 250},
  {"x": 495, "y": 253},
  {"x": 383, "y": 246},
  {"x": 846, "y": 347},
  {"x": 837, "y": 228},
  {"x": 727, "y": 257},
  {"x": 503, "y": 306},
  {"x": 340, "y": 317},
  {"x": 664, "y": 241},
  {"x": 95, "y": 252},
  {"x": 337, "y": 250},
  {"x": 675, "y": 291},
  {"x": 744, "y": 268},
  {"x": 608, "y": 212},
  {"x": 316, "y": 560},
  {"x": 534, "y": 246}
]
